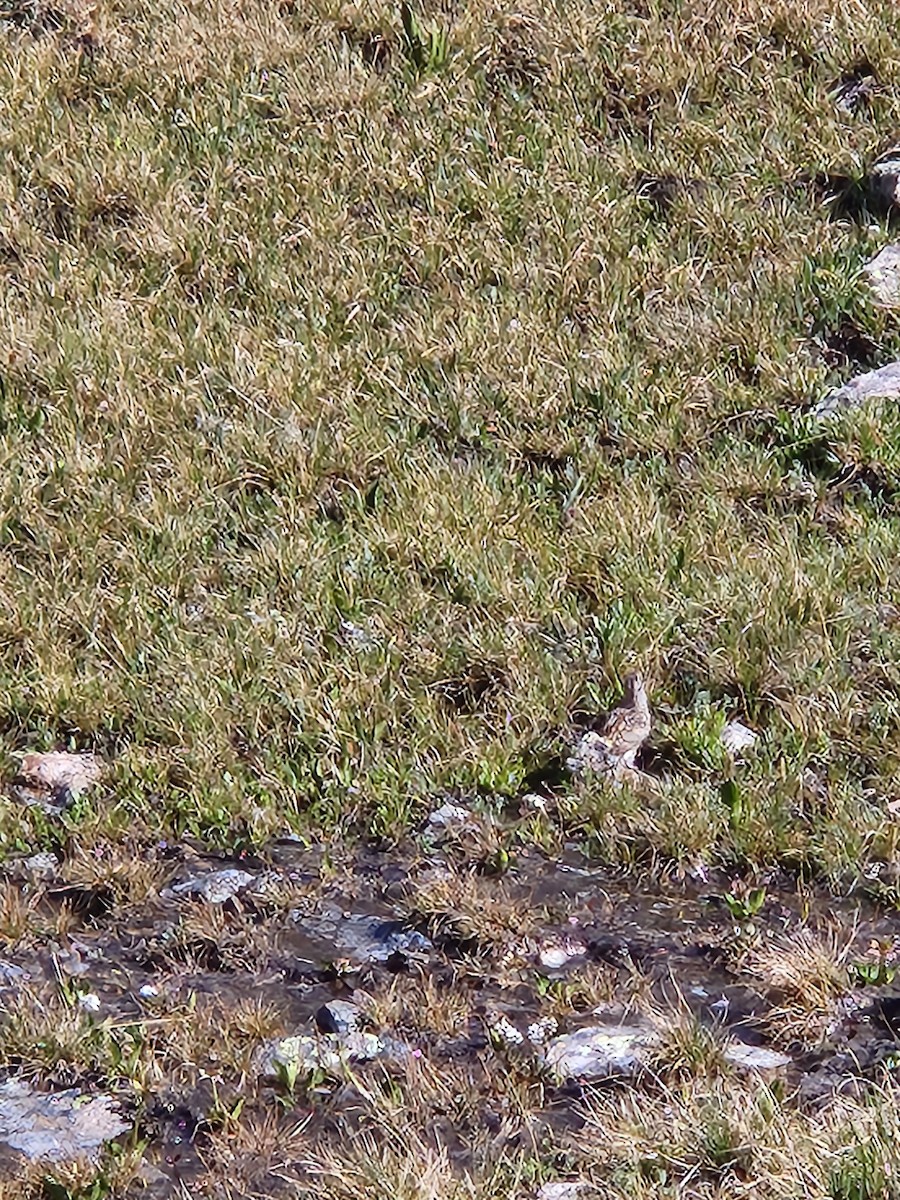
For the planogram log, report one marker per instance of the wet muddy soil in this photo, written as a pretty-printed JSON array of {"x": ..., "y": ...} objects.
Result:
[{"x": 446, "y": 967}]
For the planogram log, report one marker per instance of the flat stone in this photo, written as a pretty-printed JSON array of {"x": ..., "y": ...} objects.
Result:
[
  {"x": 600, "y": 1051},
  {"x": 215, "y": 887},
  {"x": 883, "y": 276},
  {"x": 737, "y": 737},
  {"x": 756, "y": 1058},
  {"x": 562, "y": 1189},
  {"x": 302, "y": 1053},
  {"x": 339, "y": 1016},
  {"x": 881, "y": 384},
  {"x": 362, "y": 938},
  {"x": 56, "y": 1126}
]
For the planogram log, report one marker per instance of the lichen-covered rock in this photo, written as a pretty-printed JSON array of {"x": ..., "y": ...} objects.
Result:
[
  {"x": 881, "y": 384},
  {"x": 56, "y": 1126},
  {"x": 883, "y": 276},
  {"x": 215, "y": 887},
  {"x": 301, "y": 1054},
  {"x": 600, "y": 1051}
]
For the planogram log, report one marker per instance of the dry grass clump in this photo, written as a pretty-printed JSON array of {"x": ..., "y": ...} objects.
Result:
[
  {"x": 47, "y": 1032},
  {"x": 220, "y": 937},
  {"x": 472, "y": 909},
  {"x": 591, "y": 986},
  {"x": 411, "y": 1154},
  {"x": 804, "y": 973},
  {"x": 23, "y": 914},
  {"x": 730, "y": 1139},
  {"x": 423, "y": 1004},
  {"x": 687, "y": 1048},
  {"x": 256, "y": 1154},
  {"x": 124, "y": 872}
]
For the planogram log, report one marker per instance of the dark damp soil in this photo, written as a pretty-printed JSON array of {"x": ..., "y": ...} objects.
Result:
[{"x": 435, "y": 956}]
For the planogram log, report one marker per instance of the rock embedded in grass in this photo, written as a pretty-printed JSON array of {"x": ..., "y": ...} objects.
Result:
[
  {"x": 562, "y": 1189},
  {"x": 884, "y": 180},
  {"x": 452, "y": 817},
  {"x": 881, "y": 384},
  {"x": 302, "y": 1054},
  {"x": 53, "y": 780},
  {"x": 360, "y": 937},
  {"x": 56, "y": 1126},
  {"x": 883, "y": 276},
  {"x": 736, "y": 737},
  {"x": 215, "y": 887},
  {"x": 339, "y": 1016},
  {"x": 600, "y": 1051},
  {"x": 755, "y": 1058}
]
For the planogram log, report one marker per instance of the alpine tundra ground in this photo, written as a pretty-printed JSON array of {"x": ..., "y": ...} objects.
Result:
[{"x": 377, "y": 387}]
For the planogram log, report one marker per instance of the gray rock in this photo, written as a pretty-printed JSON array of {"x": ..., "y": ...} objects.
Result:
[
  {"x": 600, "y": 1051},
  {"x": 301, "y": 1054},
  {"x": 591, "y": 753},
  {"x": 215, "y": 887},
  {"x": 360, "y": 937},
  {"x": 737, "y": 737},
  {"x": 339, "y": 1016},
  {"x": 12, "y": 975},
  {"x": 562, "y": 1189},
  {"x": 41, "y": 866},
  {"x": 884, "y": 179},
  {"x": 56, "y": 1126},
  {"x": 881, "y": 384},
  {"x": 853, "y": 91},
  {"x": 452, "y": 816},
  {"x": 755, "y": 1058},
  {"x": 883, "y": 276}
]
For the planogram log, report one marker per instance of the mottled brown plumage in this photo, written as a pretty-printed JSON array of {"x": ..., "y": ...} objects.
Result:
[{"x": 628, "y": 726}]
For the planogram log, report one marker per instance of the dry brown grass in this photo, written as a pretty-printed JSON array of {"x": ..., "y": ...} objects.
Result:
[
  {"x": 730, "y": 1139},
  {"x": 363, "y": 419},
  {"x": 255, "y": 1155},
  {"x": 804, "y": 973},
  {"x": 221, "y": 937},
  {"x": 126, "y": 871},
  {"x": 422, "y": 1004},
  {"x": 474, "y": 909}
]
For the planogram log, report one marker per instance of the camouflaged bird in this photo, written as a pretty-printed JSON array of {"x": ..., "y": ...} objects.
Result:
[{"x": 628, "y": 726}]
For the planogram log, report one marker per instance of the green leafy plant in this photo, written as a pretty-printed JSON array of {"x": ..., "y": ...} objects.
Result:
[
  {"x": 731, "y": 797},
  {"x": 700, "y": 736},
  {"x": 745, "y": 907},
  {"x": 426, "y": 47},
  {"x": 875, "y": 974}
]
